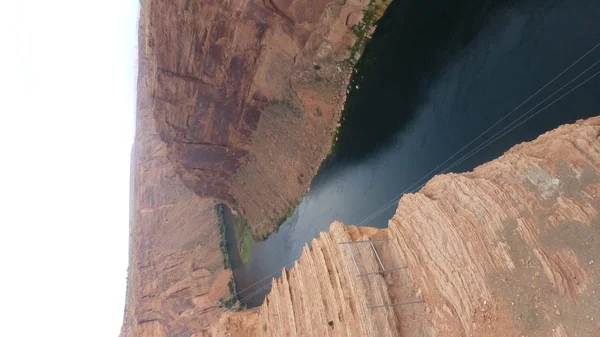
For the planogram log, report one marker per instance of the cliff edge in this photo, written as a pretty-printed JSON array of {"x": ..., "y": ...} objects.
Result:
[{"x": 510, "y": 249}]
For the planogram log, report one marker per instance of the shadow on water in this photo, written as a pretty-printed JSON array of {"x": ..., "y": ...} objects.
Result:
[
  {"x": 434, "y": 77},
  {"x": 429, "y": 34}
]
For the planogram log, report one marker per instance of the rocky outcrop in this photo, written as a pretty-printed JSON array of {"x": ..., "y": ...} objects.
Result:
[
  {"x": 245, "y": 94},
  {"x": 509, "y": 249}
]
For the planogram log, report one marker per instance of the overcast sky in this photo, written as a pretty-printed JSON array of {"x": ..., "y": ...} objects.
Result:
[{"x": 67, "y": 105}]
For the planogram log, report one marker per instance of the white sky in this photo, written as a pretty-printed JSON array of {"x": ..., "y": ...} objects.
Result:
[{"x": 67, "y": 109}]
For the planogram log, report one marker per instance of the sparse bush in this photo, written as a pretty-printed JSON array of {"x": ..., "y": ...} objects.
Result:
[
  {"x": 231, "y": 301},
  {"x": 223, "y": 244},
  {"x": 370, "y": 18}
]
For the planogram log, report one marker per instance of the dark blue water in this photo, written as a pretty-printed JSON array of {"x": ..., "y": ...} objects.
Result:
[{"x": 434, "y": 77}]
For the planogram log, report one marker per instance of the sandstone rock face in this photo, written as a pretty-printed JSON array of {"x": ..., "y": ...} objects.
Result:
[
  {"x": 176, "y": 275},
  {"x": 510, "y": 249},
  {"x": 324, "y": 296},
  {"x": 236, "y": 102},
  {"x": 512, "y": 245},
  {"x": 246, "y": 93}
]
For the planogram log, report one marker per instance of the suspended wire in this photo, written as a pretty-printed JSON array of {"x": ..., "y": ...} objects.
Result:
[
  {"x": 397, "y": 197},
  {"x": 268, "y": 276},
  {"x": 256, "y": 292},
  {"x": 480, "y": 147}
]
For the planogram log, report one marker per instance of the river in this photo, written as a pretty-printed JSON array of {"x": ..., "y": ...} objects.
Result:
[{"x": 434, "y": 77}]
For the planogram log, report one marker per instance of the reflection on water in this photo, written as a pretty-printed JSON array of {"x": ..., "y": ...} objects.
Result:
[{"x": 435, "y": 75}]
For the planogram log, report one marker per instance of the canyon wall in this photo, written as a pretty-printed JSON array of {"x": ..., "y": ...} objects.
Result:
[
  {"x": 237, "y": 101},
  {"x": 176, "y": 274},
  {"x": 510, "y": 249},
  {"x": 246, "y": 94}
]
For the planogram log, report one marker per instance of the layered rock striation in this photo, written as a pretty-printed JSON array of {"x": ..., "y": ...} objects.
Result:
[
  {"x": 245, "y": 94},
  {"x": 510, "y": 249}
]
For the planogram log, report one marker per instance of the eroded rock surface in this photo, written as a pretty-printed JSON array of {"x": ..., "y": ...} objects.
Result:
[
  {"x": 512, "y": 245},
  {"x": 323, "y": 295},
  {"x": 246, "y": 94}
]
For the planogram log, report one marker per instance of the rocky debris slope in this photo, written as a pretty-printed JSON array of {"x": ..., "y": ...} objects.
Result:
[
  {"x": 510, "y": 249},
  {"x": 246, "y": 94}
]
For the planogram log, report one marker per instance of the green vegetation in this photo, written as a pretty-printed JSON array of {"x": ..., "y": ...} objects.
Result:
[
  {"x": 245, "y": 245},
  {"x": 231, "y": 302},
  {"x": 317, "y": 67},
  {"x": 223, "y": 243},
  {"x": 286, "y": 216},
  {"x": 362, "y": 30},
  {"x": 370, "y": 18}
]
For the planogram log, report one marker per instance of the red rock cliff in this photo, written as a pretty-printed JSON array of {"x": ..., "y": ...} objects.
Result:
[{"x": 246, "y": 93}]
